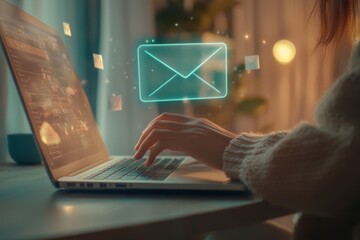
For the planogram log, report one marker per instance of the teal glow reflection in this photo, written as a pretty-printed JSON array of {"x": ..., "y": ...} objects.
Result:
[{"x": 186, "y": 71}]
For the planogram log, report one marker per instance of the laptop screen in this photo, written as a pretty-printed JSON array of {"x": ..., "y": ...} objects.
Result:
[{"x": 55, "y": 102}]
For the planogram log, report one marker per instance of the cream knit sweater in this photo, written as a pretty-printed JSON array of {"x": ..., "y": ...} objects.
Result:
[{"x": 313, "y": 169}]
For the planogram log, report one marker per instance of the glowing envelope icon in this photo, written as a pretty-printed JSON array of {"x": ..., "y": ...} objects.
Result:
[{"x": 178, "y": 72}]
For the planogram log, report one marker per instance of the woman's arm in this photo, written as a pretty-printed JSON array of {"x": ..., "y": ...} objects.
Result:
[{"x": 308, "y": 169}]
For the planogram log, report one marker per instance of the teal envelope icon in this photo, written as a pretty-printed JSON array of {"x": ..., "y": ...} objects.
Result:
[{"x": 186, "y": 71}]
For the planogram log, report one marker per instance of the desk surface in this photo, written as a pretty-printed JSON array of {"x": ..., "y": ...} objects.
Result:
[{"x": 30, "y": 207}]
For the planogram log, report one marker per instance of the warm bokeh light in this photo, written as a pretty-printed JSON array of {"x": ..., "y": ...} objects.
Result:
[
  {"x": 68, "y": 209},
  {"x": 284, "y": 51}
]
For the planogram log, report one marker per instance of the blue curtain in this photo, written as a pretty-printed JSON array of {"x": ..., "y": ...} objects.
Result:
[{"x": 125, "y": 24}]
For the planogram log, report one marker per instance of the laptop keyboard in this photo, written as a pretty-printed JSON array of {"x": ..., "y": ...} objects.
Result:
[{"x": 135, "y": 170}]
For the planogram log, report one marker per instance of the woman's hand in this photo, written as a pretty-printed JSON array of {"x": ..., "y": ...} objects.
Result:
[{"x": 198, "y": 138}]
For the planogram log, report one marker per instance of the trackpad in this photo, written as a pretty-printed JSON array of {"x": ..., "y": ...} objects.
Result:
[{"x": 195, "y": 170}]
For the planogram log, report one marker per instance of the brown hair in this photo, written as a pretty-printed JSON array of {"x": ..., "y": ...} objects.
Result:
[{"x": 338, "y": 19}]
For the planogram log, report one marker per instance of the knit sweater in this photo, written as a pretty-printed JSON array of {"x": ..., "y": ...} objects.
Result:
[{"x": 314, "y": 168}]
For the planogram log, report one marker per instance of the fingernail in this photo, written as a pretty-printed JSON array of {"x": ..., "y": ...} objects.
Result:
[
  {"x": 136, "y": 156},
  {"x": 148, "y": 164}
]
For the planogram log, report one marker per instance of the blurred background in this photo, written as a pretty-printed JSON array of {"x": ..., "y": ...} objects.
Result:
[{"x": 283, "y": 91}]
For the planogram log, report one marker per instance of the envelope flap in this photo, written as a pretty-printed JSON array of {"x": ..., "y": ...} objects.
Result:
[
  {"x": 183, "y": 59},
  {"x": 253, "y": 58}
]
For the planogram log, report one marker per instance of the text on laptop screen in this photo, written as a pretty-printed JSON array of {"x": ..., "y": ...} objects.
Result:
[{"x": 57, "y": 107}]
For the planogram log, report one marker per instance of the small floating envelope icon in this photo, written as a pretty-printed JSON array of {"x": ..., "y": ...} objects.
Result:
[
  {"x": 67, "y": 29},
  {"x": 252, "y": 62},
  {"x": 184, "y": 71},
  {"x": 98, "y": 61}
]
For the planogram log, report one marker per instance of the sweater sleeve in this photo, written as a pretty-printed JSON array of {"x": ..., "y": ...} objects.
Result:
[{"x": 308, "y": 169}]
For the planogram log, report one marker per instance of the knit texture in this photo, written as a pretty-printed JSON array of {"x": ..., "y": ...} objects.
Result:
[{"x": 314, "y": 168}]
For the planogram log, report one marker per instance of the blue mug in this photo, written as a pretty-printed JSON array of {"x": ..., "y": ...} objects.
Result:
[{"x": 22, "y": 149}]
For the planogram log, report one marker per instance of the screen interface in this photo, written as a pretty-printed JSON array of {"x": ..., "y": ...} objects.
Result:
[{"x": 56, "y": 104}]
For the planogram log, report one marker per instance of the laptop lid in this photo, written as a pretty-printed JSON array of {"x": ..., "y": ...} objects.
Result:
[{"x": 56, "y": 105}]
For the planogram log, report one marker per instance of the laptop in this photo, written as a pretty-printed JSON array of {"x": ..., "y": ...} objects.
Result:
[{"x": 64, "y": 127}]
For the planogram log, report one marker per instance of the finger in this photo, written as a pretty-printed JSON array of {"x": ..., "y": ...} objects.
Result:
[
  {"x": 169, "y": 117},
  {"x": 155, "y": 136},
  {"x": 154, "y": 152},
  {"x": 174, "y": 126}
]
